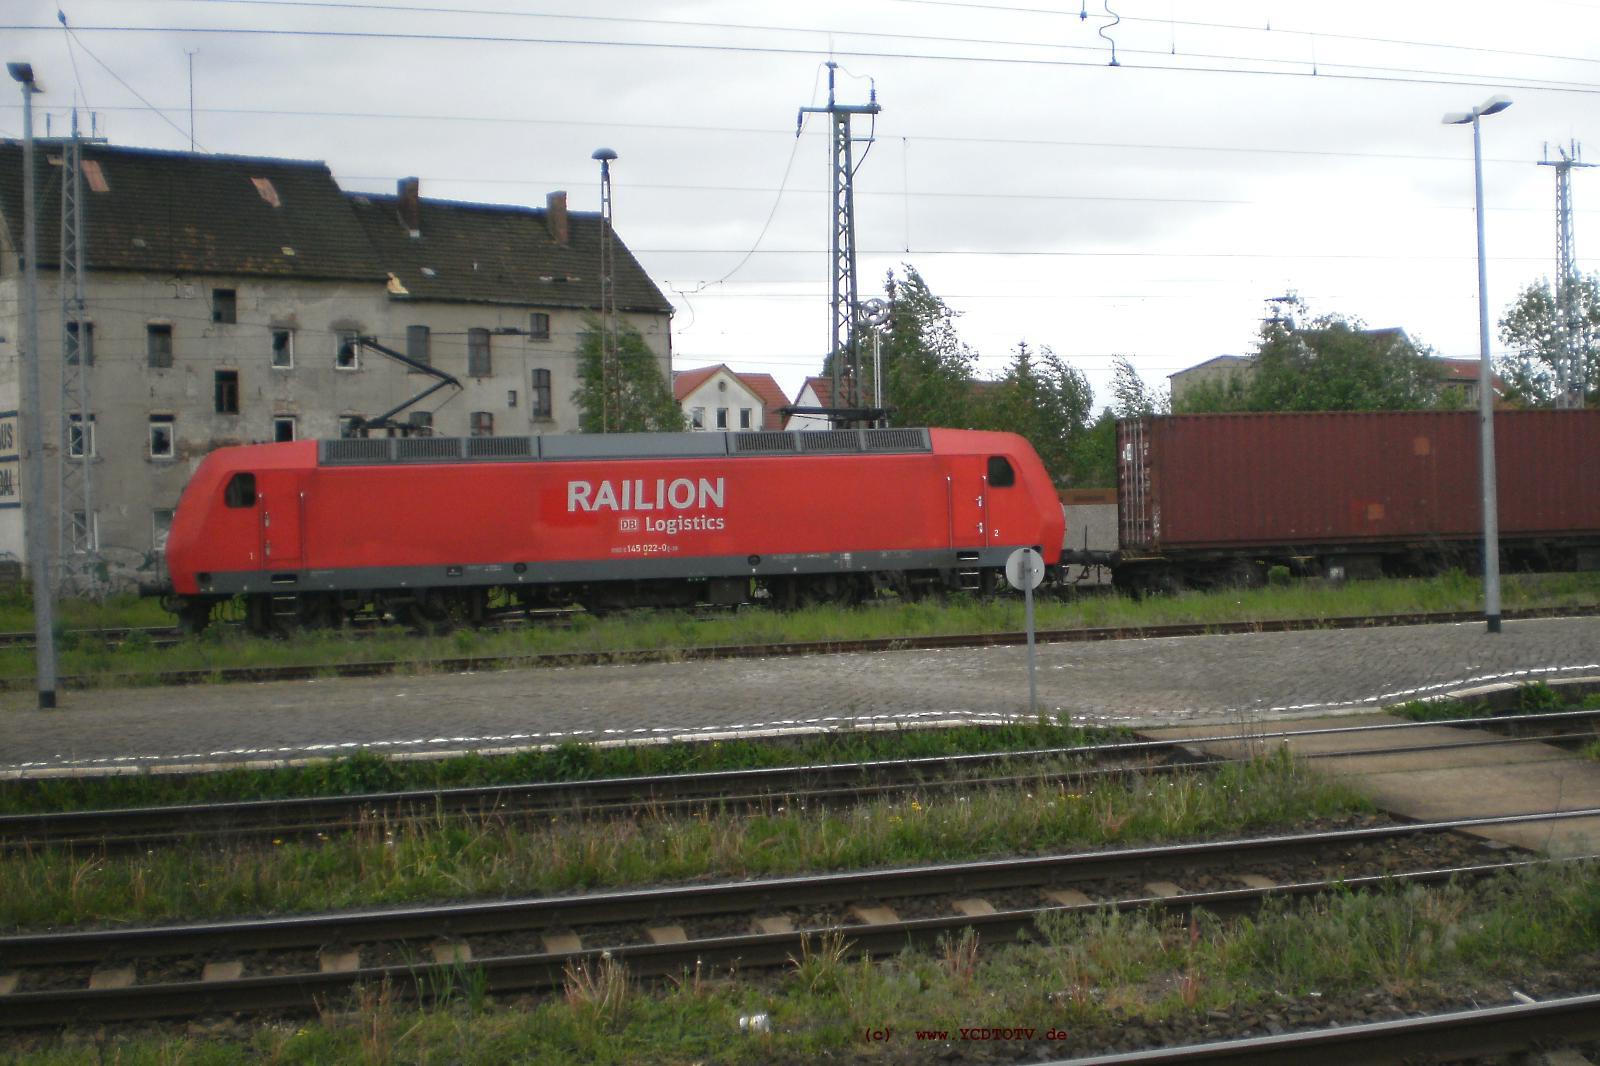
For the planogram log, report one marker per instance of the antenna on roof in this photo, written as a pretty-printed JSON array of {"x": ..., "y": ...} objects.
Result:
[{"x": 191, "y": 53}]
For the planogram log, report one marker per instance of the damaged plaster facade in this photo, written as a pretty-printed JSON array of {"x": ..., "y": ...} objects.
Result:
[{"x": 221, "y": 312}]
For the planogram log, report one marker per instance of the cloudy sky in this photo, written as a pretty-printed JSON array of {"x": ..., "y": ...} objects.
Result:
[{"x": 1235, "y": 150}]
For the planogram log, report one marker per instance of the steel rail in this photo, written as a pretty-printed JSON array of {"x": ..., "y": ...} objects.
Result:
[
  {"x": 1470, "y": 1034},
  {"x": 692, "y": 900},
  {"x": 786, "y": 649},
  {"x": 830, "y": 782},
  {"x": 549, "y": 970}
]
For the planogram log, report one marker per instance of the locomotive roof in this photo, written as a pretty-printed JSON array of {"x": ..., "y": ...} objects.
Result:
[{"x": 402, "y": 450}]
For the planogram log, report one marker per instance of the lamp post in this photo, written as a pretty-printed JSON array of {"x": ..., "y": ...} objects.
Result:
[
  {"x": 35, "y": 532},
  {"x": 1491, "y": 516}
]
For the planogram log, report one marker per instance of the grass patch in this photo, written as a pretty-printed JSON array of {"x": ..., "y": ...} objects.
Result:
[
  {"x": 365, "y": 771},
  {"x": 663, "y": 631},
  {"x": 1534, "y": 698},
  {"x": 493, "y": 858},
  {"x": 1085, "y": 977}
]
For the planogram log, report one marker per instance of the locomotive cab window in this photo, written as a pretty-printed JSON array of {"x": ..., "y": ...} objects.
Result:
[
  {"x": 1001, "y": 476},
  {"x": 241, "y": 491}
]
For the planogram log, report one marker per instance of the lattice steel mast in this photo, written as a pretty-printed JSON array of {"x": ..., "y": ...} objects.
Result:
[
  {"x": 78, "y": 572},
  {"x": 1572, "y": 363},
  {"x": 610, "y": 373},
  {"x": 845, "y": 338}
]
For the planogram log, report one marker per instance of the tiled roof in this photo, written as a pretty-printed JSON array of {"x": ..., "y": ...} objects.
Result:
[
  {"x": 487, "y": 253},
  {"x": 1216, "y": 361},
  {"x": 189, "y": 213},
  {"x": 686, "y": 381},
  {"x": 772, "y": 398},
  {"x": 180, "y": 212},
  {"x": 822, "y": 387}
]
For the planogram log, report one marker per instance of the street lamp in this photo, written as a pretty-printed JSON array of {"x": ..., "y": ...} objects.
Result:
[
  {"x": 1491, "y": 516},
  {"x": 35, "y": 531}
]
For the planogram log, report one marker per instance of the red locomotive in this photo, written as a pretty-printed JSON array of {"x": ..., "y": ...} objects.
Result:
[{"x": 425, "y": 528}]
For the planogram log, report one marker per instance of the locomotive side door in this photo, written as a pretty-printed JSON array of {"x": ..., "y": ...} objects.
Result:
[
  {"x": 279, "y": 501},
  {"x": 969, "y": 503}
]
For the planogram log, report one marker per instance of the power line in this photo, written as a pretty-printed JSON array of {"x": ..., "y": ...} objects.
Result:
[
  {"x": 72, "y": 34},
  {"x": 1430, "y": 78}
]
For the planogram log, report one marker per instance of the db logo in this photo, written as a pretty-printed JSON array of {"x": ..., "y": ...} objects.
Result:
[{"x": 628, "y": 525}]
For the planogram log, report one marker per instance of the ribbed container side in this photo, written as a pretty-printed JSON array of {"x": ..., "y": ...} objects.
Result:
[{"x": 1213, "y": 481}]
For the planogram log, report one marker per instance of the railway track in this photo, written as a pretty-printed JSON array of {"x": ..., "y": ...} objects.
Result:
[
  {"x": 1468, "y": 1035},
  {"x": 295, "y": 963},
  {"x": 816, "y": 785},
  {"x": 300, "y": 672}
]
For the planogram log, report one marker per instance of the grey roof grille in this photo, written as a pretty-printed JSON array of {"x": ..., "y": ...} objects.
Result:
[
  {"x": 830, "y": 440},
  {"x": 499, "y": 447},
  {"x": 427, "y": 449},
  {"x": 763, "y": 442},
  {"x": 897, "y": 440},
  {"x": 357, "y": 450}
]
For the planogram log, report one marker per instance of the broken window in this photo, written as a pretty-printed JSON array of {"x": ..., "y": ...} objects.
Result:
[
  {"x": 158, "y": 344},
  {"x": 80, "y": 437},
  {"x": 226, "y": 392},
  {"x": 224, "y": 305},
  {"x": 421, "y": 423},
  {"x": 697, "y": 418},
  {"x": 511, "y": 397},
  {"x": 482, "y": 424},
  {"x": 351, "y": 426},
  {"x": 163, "y": 437},
  {"x": 283, "y": 428},
  {"x": 85, "y": 532},
  {"x": 418, "y": 346},
  {"x": 539, "y": 396},
  {"x": 283, "y": 349},
  {"x": 479, "y": 364},
  {"x": 84, "y": 346},
  {"x": 539, "y": 326},
  {"x": 347, "y": 350},
  {"x": 160, "y": 528}
]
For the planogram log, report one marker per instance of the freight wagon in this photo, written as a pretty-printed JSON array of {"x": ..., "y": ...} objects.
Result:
[
  {"x": 1209, "y": 499},
  {"x": 425, "y": 529}
]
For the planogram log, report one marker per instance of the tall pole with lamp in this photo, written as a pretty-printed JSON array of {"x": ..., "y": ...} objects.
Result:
[{"x": 1491, "y": 516}]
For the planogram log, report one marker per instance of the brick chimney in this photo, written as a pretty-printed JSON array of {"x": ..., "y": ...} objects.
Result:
[
  {"x": 408, "y": 205},
  {"x": 555, "y": 217}
]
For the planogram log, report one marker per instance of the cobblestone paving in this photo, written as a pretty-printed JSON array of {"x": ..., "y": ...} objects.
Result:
[{"x": 1137, "y": 682}]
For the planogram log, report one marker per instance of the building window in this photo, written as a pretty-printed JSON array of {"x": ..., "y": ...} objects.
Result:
[
  {"x": 226, "y": 392},
  {"x": 80, "y": 437},
  {"x": 722, "y": 418},
  {"x": 697, "y": 418},
  {"x": 85, "y": 346},
  {"x": 539, "y": 326},
  {"x": 283, "y": 428},
  {"x": 224, "y": 305},
  {"x": 478, "y": 361},
  {"x": 511, "y": 397},
  {"x": 283, "y": 349},
  {"x": 160, "y": 528},
  {"x": 482, "y": 424},
  {"x": 744, "y": 418},
  {"x": 163, "y": 437},
  {"x": 421, "y": 423},
  {"x": 418, "y": 346},
  {"x": 347, "y": 350},
  {"x": 539, "y": 396},
  {"x": 85, "y": 532},
  {"x": 158, "y": 344},
  {"x": 350, "y": 426}
]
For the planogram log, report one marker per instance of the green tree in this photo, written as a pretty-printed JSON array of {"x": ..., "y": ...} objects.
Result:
[
  {"x": 1045, "y": 400},
  {"x": 1133, "y": 396},
  {"x": 1337, "y": 364},
  {"x": 927, "y": 367},
  {"x": 631, "y": 395},
  {"x": 1092, "y": 454},
  {"x": 1533, "y": 328}
]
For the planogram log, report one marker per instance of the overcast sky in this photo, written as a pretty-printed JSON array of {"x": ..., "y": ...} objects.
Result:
[{"x": 1238, "y": 149}]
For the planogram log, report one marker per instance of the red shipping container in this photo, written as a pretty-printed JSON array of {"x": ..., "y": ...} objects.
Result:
[{"x": 1381, "y": 479}]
